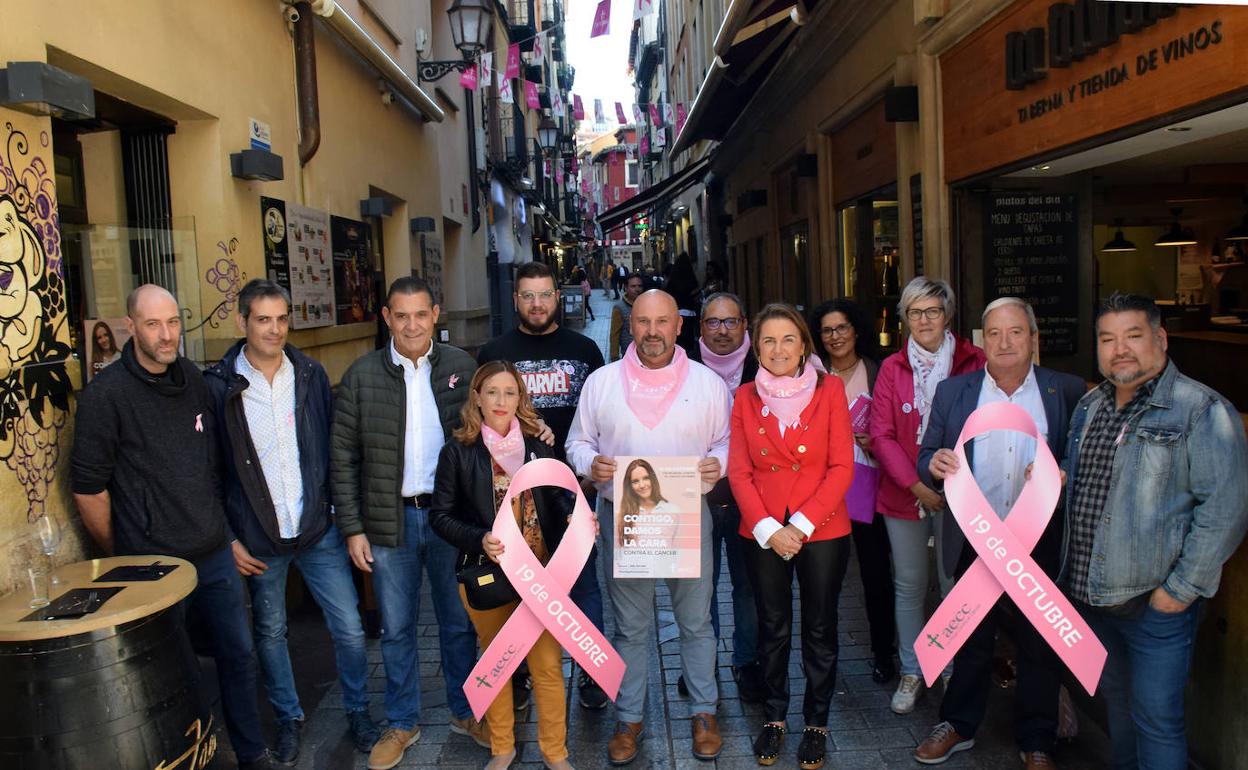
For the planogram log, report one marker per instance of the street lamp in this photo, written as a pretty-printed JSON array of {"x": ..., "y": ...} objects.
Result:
[
  {"x": 547, "y": 133},
  {"x": 470, "y": 25}
]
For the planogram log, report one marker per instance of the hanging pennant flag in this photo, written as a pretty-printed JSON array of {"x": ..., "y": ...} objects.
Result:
[
  {"x": 547, "y": 171},
  {"x": 539, "y": 45},
  {"x": 669, "y": 116},
  {"x": 530, "y": 95},
  {"x": 619, "y": 113},
  {"x": 504, "y": 92},
  {"x": 556, "y": 102},
  {"x": 602, "y": 19},
  {"x": 660, "y": 137},
  {"x": 645, "y": 145},
  {"x": 642, "y": 8},
  {"x": 578, "y": 109},
  {"x": 485, "y": 76},
  {"x": 513, "y": 61},
  {"x": 629, "y": 152},
  {"x": 468, "y": 78},
  {"x": 598, "y": 116},
  {"x": 681, "y": 116},
  {"x": 637, "y": 115},
  {"x": 559, "y": 173},
  {"x": 655, "y": 117}
]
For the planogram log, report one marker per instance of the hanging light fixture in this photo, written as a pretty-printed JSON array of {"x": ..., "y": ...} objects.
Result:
[
  {"x": 1240, "y": 231},
  {"x": 1118, "y": 243},
  {"x": 1177, "y": 235}
]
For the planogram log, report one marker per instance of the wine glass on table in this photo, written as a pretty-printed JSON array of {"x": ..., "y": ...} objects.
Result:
[{"x": 49, "y": 533}]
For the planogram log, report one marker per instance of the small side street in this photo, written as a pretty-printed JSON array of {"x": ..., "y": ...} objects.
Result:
[{"x": 864, "y": 732}]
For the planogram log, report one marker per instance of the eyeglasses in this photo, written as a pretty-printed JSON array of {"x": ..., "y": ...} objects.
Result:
[
  {"x": 730, "y": 324},
  {"x": 931, "y": 313},
  {"x": 836, "y": 331},
  {"x": 529, "y": 296}
]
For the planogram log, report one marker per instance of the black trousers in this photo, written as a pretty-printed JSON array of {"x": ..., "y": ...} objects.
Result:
[
  {"x": 875, "y": 568},
  {"x": 820, "y": 567},
  {"x": 1039, "y": 677}
]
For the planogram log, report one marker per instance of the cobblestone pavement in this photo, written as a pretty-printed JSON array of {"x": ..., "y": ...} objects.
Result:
[{"x": 864, "y": 733}]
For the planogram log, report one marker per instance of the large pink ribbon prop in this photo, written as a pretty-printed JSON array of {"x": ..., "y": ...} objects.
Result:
[
  {"x": 543, "y": 591},
  {"x": 1005, "y": 564}
]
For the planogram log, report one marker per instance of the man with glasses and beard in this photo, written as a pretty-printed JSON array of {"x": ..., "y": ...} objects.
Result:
[
  {"x": 554, "y": 362},
  {"x": 724, "y": 347}
]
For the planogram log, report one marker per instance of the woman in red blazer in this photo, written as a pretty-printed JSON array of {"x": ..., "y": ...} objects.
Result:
[{"x": 790, "y": 462}]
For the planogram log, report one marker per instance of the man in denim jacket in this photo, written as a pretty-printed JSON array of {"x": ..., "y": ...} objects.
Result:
[{"x": 1156, "y": 502}]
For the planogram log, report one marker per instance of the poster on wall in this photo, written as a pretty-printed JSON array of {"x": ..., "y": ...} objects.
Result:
[
  {"x": 355, "y": 275},
  {"x": 1031, "y": 251},
  {"x": 276, "y": 257},
  {"x": 658, "y": 518},
  {"x": 431, "y": 264},
  {"x": 311, "y": 267},
  {"x": 104, "y": 338}
]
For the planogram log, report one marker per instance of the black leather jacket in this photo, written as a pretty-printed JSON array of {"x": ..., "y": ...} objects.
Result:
[{"x": 463, "y": 508}]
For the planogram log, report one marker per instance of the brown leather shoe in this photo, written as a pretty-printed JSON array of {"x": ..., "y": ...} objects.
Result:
[
  {"x": 1037, "y": 760},
  {"x": 707, "y": 742},
  {"x": 943, "y": 743},
  {"x": 623, "y": 747}
]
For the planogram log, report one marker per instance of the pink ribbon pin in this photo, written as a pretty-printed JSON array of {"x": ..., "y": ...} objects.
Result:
[
  {"x": 545, "y": 605},
  {"x": 1005, "y": 564}
]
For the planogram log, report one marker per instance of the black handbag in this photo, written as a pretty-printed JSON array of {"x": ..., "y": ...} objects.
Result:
[{"x": 485, "y": 585}]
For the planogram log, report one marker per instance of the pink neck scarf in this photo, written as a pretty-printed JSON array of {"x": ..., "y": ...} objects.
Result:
[
  {"x": 649, "y": 393},
  {"x": 786, "y": 397},
  {"x": 729, "y": 367},
  {"x": 507, "y": 451}
]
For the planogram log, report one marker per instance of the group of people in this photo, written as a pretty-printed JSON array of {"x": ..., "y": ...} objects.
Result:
[{"x": 253, "y": 466}]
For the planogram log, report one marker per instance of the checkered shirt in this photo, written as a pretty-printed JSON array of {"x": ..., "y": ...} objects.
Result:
[{"x": 1095, "y": 478}]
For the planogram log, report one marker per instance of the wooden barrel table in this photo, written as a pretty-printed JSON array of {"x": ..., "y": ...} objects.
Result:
[{"x": 115, "y": 688}]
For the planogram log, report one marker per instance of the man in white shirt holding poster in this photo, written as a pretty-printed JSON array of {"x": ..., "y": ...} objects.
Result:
[{"x": 655, "y": 403}]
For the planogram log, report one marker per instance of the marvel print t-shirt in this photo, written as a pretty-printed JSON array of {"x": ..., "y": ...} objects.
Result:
[{"x": 554, "y": 367}]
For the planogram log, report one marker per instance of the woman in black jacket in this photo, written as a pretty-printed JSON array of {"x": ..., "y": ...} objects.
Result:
[{"x": 498, "y": 435}]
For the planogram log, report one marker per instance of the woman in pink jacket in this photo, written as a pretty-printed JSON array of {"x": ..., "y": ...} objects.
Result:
[{"x": 903, "y": 394}]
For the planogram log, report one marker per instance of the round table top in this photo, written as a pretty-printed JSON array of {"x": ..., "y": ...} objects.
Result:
[{"x": 137, "y": 600}]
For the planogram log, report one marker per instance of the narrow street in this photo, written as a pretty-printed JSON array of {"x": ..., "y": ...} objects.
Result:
[{"x": 864, "y": 733}]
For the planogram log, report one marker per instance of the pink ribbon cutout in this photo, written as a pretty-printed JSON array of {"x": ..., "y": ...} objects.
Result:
[
  {"x": 544, "y": 602},
  {"x": 1005, "y": 564}
]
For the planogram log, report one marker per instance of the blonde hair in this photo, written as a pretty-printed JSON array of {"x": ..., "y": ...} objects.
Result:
[{"x": 470, "y": 414}]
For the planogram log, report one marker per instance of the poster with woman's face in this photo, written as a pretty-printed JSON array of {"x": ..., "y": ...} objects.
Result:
[
  {"x": 658, "y": 518},
  {"x": 103, "y": 340}
]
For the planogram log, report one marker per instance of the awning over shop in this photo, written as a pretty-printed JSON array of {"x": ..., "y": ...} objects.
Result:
[
  {"x": 642, "y": 202},
  {"x": 750, "y": 42}
]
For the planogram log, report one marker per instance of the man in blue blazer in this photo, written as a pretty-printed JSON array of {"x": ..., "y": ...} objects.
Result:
[{"x": 1000, "y": 460}]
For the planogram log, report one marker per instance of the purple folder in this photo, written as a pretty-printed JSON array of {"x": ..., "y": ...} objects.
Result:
[
  {"x": 860, "y": 413},
  {"x": 860, "y": 499}
]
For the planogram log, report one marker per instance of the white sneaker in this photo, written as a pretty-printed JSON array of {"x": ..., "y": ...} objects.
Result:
[{"x": 907, "y": 694}]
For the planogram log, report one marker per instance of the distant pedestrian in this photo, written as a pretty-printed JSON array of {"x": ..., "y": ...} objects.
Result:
[{"x": 621, "y": 336}]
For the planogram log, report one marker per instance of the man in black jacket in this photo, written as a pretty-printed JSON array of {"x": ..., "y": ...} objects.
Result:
[
  {"x": 396, "y": 407},
  {"x": 273, "y": 413},
  {"x": 143, "y": 473},
  {"x": 724, "y": 346}
]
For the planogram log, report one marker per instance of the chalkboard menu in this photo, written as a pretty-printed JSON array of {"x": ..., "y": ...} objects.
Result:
[
  {"x": 916, "y": 220},
  {"x": 1031, "y": 251}
]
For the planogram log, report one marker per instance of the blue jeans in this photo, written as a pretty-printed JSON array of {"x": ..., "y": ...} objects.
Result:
[
  {"x": 217, "y": 608},
  {"x": 326, "y": 570},
  {"x": 1150, "y": 656},
  {"x": 397, "y": 579},
  {"x": 586, "y": 592},
  {"x": 725, "y": 520}
]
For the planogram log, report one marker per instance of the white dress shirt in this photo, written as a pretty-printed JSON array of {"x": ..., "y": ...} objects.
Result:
[
  {"x": 270, "y": 412},
  {"x": 1001, "y": 457},
  {"x": 697, "y": 424},
  {"x": 423, "y": 437}
]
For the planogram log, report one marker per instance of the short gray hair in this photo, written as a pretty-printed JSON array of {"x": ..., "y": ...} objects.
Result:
[
  {"x": 724, "y": 295},
  {"x": 1002, "y": 302},
  {"x": 260, "y": 288},
  {"x": 922, "y": 287}
]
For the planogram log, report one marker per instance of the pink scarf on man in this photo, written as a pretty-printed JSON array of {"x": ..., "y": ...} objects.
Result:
[
  {"x": 728, "y": 367},
  {"x": 786, "y": 397},
  {"x": 649, "y": 393},
  {"x": 507, "y": 451}
]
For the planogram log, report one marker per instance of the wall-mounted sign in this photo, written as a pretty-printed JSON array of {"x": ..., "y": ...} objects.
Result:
[
  {"x": 1041, "y": 76},
  {"x": 297, "y": 256},
  {"x": 261, "y": 135},
  {"x": 355, "y": 274}
]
